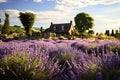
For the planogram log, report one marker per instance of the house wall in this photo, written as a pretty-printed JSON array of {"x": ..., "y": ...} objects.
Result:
[{"x": 71, "y": 30}]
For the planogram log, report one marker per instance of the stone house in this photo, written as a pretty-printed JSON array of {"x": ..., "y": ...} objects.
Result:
[{"x": 62, "y": 28}]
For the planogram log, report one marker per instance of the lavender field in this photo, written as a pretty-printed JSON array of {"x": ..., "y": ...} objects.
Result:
[{"x": 60, "y": 60}]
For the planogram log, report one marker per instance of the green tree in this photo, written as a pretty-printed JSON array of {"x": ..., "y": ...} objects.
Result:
[
  {"x": 27, "y": 19},
  {"x": 5, "y": 28},
  {"x": 107, "y": 32},
  {"x": 97, "y": 34},
  {"x": 0, "y": 25},
  {"x": 83, "y": 22},
  {"x": 116, "y": 32},
  {"x": 0, "y": 21},
  {"x": 41, "y": 29},
  {"x": 112, "y": 34},
  {"x": 91, "y": 32}
]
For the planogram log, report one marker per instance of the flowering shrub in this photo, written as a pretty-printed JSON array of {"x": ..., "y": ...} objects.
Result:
[
  {"x": 22, "y": 66},
  {"x": 60, "y": 60}
]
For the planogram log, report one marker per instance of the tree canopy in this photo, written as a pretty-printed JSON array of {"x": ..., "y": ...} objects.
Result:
[
  {"x": 0, "y": 21},
  {"x": 107, "y": 32},
  {"x": 5, "y": 28},
  {"x": 91, "y": 32},
  {"x": 83, "y": 22},
  {"x": 27, "y": 19},
  {"x": 112, "y": 33}
]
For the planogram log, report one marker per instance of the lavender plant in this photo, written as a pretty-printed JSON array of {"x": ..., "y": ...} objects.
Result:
[
  {"x": 22, "y": 66},
  {"x": 60, "y": 60}
]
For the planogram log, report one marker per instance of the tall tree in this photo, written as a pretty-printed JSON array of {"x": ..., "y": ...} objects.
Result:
[
  {"x": 107, "y": 32},
  {"x": 0, "y": 26},
  {"x": 112, "y": 33},
  {"x": 5, "y": 28},
  {"x": 0, "y": 21},
  {"x": 27, "y": 19},
  {"x": 41, "y": 29},
  {"x": 83, "y": 22},
  {"x": 116, "y": 32},
  {"x": 97, "y": 34},
  {"x": 91, "y": 32}
]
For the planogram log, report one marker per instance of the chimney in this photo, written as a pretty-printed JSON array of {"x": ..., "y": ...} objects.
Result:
[{"x": 51, "y": 23}]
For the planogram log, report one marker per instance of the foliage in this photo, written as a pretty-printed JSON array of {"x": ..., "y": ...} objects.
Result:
[
  {"x": 107, "y": 33},
  {"x": 0, "y": 27},
  {"x": 22, "y": 66},
  {"x": 97, "y": 34},
  {"x": 14, "y": 32},
  {"x": 61, "y": 38},
  {"x": 76, "y": 33},
  {"x": 60, "y": 60},
  {"x": 17, "y": 30},
  {"x": 116, "y": 32},
  {"x": 112, "y": 33},
  {"x": 83, "y": 35},
  {"x": 0, "y": 21},
  {"x": 83, "y": 22},
  {"x": 35, "y": 34},
  {"x": 27, "y": 19},
  {"x": 41, "y": 29},
  {"x": 5, "y": 28},
  {"x": 102, "y": 36},
  {"x": 91, "y": 32}
]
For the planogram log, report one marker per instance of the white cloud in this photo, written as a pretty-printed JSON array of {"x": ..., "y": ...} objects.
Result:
[
  {"x": 37, "y": 1},
  {"x": 77, "y": 4},
  {"x": 108, "y": 18},
  {"x": 103, "y": 19},
  {"x": 65, "y": 10},
  {"x": 48, "y": 16},
  {"x": 102, "y": 22},
  {"x": 69, "y": 5},
  {"x": 41, "y": 17},
  {"x": 12, "y": 13},
  {"x": 2, "y": 1},
  {"x": 105, "y": 2},
  {"x": 106, "y": 22}
]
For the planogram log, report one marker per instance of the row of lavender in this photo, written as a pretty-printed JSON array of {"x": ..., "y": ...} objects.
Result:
[{"x": 60, "y": 60}]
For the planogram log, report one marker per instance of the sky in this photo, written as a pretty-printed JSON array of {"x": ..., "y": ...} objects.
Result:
[{"x": 106, "y": 13}]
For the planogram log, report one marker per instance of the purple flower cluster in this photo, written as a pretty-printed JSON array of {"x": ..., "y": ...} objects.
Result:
[{"x": 71, "y": 59}]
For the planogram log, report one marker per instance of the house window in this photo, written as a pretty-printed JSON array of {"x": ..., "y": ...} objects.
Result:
[
  {"x": 62, "y": 27},
  {"x": 54, "y": 28}
]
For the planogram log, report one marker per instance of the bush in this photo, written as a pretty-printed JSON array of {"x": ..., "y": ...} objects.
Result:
[
  {"x": 22, "y": 66},
  {"x": 59, "y": 60}
]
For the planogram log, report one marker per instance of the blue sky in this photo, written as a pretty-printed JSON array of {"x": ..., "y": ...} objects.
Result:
[{"x": 106, "y": 13}]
